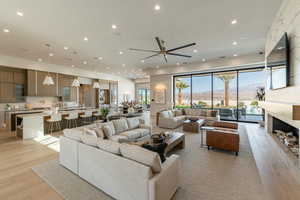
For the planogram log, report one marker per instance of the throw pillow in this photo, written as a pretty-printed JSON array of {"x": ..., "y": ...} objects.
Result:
[
  {"x": 178, "y": 113},
  {"x": 109, "y": 129},
  {"x": 89, "y": 131},
  {"x": 141, "y": 155},
  {"x": 120, "y": 125},
  {"x": 109, "y": 146},
  {"x": 89, "y": 139},
  {"x": 133, "y": 122}
]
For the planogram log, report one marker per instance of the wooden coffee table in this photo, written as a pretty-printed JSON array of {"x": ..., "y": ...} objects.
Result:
[
  {"x": 193, "y": 126},
  {"x": 177, "y": 140}
]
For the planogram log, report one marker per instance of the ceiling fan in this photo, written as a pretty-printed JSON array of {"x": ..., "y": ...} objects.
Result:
[{"x": 163, "y": 50}]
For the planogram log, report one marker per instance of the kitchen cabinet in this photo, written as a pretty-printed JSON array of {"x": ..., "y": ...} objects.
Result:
[
  {"x": 12, "y": 84},
  {"x": 65, "y": 90},
  {"x": 31, "y": 83},
  {"x": 46, "y": 90}
]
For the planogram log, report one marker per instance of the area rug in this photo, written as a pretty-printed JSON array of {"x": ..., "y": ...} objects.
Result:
[{"x": 205, "y": 174}]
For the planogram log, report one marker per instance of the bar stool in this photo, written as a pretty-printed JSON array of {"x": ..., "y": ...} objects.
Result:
[
  {"x": 55, "y": 120},
  {"x": 72, "y": 120},
  {"x": 86, "y": 117}
]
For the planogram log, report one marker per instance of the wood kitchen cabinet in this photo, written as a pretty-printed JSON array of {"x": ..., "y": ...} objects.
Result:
[
  {"x": 46, "y": 90},
  {"x": 31, "y": 83},
  {"x": 65, "y": 90},
  {"x": 12, "y": 84}
]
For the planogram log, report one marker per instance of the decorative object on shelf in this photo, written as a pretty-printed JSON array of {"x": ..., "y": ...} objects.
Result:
[
  {"x": 48, "y": 80},
  {"x": 96, "y": 85},
  {"x": 76, "y": 83}
]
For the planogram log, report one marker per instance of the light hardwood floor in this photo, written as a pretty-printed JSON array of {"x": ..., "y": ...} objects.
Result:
[{"x": 280, "y": 178}]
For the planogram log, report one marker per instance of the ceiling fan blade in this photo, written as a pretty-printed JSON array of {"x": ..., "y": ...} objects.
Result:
[
  {"x": 165, "y": 57},
  {"x": 177, "y": 54},
  {"x": 151, "y": 56},
  {"x": 184, "y": 46},
  {"x": 159, "y": 43},
  {"x": 144, "y": 50}
]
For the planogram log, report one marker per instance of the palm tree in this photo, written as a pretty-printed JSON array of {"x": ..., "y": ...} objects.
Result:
[
  {"x": 180, "y": 86},
  {"x": 226, "y": 78}
]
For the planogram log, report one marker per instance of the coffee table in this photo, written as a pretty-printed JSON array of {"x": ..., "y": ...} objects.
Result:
[
  {"x": 176, "y": 140},
  {"x": 193, "y": 126}
]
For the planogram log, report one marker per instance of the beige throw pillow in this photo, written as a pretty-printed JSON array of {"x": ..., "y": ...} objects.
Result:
[
  {"x": 74, "y": 134},
  {"x": 133, "y": 122},
  {"x": 120, "y": 125},
  {"x": 109, "y": 146},
  {"x": 141, "y": 155},
  {"x": 109, "y": 129}
]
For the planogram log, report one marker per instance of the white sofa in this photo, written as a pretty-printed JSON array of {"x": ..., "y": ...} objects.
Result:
[
  {"x": 118, "y": 176},
  {"x": 123, "y": 130},
  {"x": 172, "y": 119}
]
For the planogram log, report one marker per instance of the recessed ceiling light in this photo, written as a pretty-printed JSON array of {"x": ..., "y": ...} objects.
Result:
[
  {"x": 234, "y": 43},
  {"x": 235, "y": 55},
  {"x": 114, "y": 26},
  {"x": 234, "y": 21},
  {"x": 66, "y": 48},
  {"x": 123, "y": 65},
  {"x": 178, "y": 64},
  {"x": 99, "y": 58},
  {"x": 85, "y": 39},
  {"x": 20, "y": 14},
  {"x": 5, "y": 30},
  {"x": 121, "y": 52},
  {"x": 157, "y": 7},
  {"x": 195, "y": 50},
  {"x": 51, "y": 54},
  {"x": 40, "y": 60},
  {"x": 142, "y": 61},
  {"x": 84, "y": 62},
  {"x": 203, "y": 59}
]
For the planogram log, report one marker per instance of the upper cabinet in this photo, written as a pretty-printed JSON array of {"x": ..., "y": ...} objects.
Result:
[
  {"x": 12, "y": 85},
  {"x": 65, "y": 90},
  {"x": 31, "y": 83}
]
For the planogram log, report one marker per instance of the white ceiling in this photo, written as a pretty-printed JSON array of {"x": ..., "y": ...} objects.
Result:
[{"x": 66, "y": 22}]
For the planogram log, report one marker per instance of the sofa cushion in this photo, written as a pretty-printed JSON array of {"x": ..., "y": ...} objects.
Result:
[
  {"x": 109, "y": 146},
  {"x": 89, "y": 139},
  {"x": 132, "y": 134},
  {"x": 171, "y": 114},
  {"x": 142, "y": 155},
  {"x": 108, "y": 129},
  {"x": 133, "y": 122},
  {"x": 119, "y": 138},
  {"x": 211, "y": 113},
  {"x": 179, "y": 118},
  {"x": 165, "y": 114},
  {"x": 120, "y": 125},
  {"x": 74, "y": 133}
]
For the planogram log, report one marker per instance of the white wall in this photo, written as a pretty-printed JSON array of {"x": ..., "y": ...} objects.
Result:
[
  {"x": 125, "y": 85},
  {"x": 287, "y": 20}
]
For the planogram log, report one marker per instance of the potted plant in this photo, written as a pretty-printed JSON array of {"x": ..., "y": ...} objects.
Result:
[{"x": 104, "y": 112}]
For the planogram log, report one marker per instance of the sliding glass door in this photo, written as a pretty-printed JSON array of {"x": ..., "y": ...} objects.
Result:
[
  {"x": 182, "y": 92},
  {"x": 202, "y": 91},
  {"x": 233, "y": 93},
  {"x": 249, "y": 82},
  {"x": 225, "y": 94}
]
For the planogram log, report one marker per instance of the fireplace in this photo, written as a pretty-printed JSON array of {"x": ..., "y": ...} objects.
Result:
[{"x": 287, "y": 134}]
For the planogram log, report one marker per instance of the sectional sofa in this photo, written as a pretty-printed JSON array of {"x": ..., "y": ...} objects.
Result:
[
  {"x": 121, "y": 170},
  {"x": 172, "y": 119}
]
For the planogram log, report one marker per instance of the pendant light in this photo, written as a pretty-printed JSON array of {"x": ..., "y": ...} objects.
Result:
[
  {"x": 96, "y": 85},
  {"x": 76, "y": 83},
  {"x": 48, "y": 80}
]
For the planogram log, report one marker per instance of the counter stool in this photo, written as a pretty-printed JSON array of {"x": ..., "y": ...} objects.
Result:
[
  {"x": 87, "y": 117},
  {"x": 55, "y": 120},
  {"x": 72, "y": 120}
]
